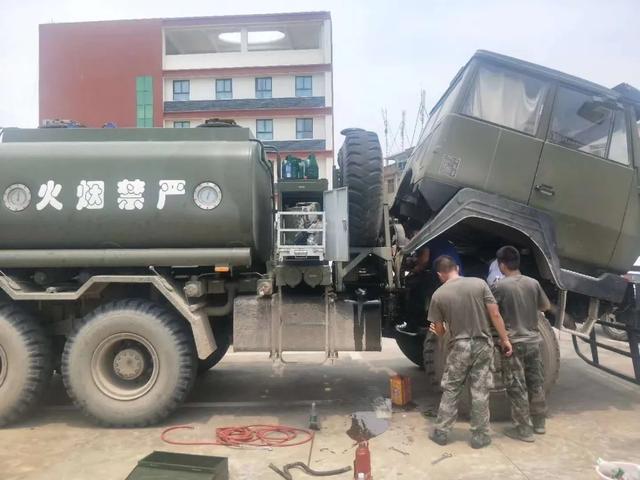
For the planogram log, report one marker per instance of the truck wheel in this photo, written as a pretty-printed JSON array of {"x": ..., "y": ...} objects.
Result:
[
  {"x": 411, "y": 347},
  {"x": 130, "y": 363},
  {"x": 25, "y": 363},
  {"x": 360, "y": 160},
  {"x": 437, "y": 349}
]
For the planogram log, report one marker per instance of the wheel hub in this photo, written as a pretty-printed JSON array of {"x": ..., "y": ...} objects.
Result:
[
  {"x": 129, "y": 363},
  {"x": 125, "y": 366}
]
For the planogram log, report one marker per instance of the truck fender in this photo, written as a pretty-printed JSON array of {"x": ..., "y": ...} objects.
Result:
[
  {"x": 195, "y": 315},
  {"x": 469, "y": 205}
]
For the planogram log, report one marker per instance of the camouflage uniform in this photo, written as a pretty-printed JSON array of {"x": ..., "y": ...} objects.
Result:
[
  {"x": 469, "y": 358},
  {"x": 523, "y": 376}
]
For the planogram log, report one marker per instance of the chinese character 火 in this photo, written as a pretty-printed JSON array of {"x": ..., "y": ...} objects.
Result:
[{"x": 48, "y": 193}]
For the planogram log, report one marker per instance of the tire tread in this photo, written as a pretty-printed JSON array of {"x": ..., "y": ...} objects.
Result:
[{"x": 39, "y": 349}]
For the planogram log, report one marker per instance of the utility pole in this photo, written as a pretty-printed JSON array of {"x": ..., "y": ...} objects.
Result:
[
  {"x": 402, "y": 128},
  {"x": 423, "y": 109},
  {"x": 386, "y": 134}
]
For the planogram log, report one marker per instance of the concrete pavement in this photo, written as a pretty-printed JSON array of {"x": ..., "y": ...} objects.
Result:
[{"x": 592, "y": 415}]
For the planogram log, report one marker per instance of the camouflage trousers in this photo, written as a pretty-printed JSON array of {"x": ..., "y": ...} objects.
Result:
[
  {"x": 523, "y": 376},
  {"x": 468, "y": 359}
]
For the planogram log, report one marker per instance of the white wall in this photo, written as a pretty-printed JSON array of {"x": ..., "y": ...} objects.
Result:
[
  {"x": 283, "y": 86},
  {"x": 247, "y": 59}
]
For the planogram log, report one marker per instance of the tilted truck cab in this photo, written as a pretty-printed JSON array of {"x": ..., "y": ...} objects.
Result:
[{"x": 515, "y": 153}]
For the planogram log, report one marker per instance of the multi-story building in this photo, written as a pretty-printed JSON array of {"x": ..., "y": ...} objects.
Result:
[
  {"x": 393, "y": 168},
  {"x": 271, "y": 73}
]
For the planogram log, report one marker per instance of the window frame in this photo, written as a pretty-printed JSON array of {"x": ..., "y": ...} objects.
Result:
[
  {"x": 391, "y": 183},
  {"x": 558, "y": 85},
  {"x": 270, "y": 120},
  {"x": 230, "y": 92},
  {"x": 270, "y": 87},
  {"x": 144, "y": 101},
  {"x": 310, "y": 89},
  {"x": 299, "y": 131},
  {"x": 183, "y": 122},
  {"x": 187, "y": 93}
]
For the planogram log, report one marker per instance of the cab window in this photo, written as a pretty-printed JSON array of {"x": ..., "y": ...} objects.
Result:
[
  {"x": 619, "y": 150},
  {"x": 587, "y": 123},
  {"x": 443, "y": 107},
  {"x": 506, "y": 98}
]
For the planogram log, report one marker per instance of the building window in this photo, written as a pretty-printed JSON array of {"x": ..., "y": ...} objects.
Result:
[
  {"x": 263, "y": 87},
  {"x": 264, "y": 129},
  {"x": 144, "y": 102},
  {"x": 223, "y": 89},
  {"x": 304, "y": 86},
  {"x": 182, "y": 124},
  {"x": 304, "y": 128},
  {"x": 391, "y": 186},
  {"x": 180, "y": 90}
]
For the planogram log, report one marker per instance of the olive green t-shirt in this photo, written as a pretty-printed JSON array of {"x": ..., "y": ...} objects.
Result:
[
  {"x": 461, "y": 304},
  {"x": 521, "y": 298}
]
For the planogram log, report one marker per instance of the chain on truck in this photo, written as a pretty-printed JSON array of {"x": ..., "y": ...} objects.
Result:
[{"x": 131, "y": 259}]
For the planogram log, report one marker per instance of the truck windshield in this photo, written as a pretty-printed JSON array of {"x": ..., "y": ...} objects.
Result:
[{"x": 507, "y": 98}]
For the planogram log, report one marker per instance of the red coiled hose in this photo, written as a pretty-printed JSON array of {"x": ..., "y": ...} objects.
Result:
[{"x": 248, "y": 436}]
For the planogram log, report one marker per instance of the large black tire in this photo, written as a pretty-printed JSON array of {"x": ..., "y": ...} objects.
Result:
[
  {"x": 130, "y": 363},
  {"x": 437, "y": 349},
  {"x": 360, "y": 161},
  {"x": 411, "y": 347},
  {"x": 25, "y": 363}
]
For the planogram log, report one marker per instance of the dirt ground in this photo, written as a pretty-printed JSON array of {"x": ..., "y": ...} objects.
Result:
[{"x": 591, "y": 415}]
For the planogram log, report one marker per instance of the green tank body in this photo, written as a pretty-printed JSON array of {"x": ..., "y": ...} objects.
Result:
[{"x": 135, "y": 189}]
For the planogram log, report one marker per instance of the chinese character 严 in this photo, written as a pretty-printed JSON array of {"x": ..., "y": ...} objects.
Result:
[
  {"x": 90, "y": 194},
  {"x": 130, "y": 194},
  {"x": 48, "y": 192},
  {"x": 169, "y": 187}
]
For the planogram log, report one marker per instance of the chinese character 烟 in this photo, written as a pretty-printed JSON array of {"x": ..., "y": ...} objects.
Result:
[
  {"x": 169, "y": 187},
  {"x": 48, "y": 193},
  {"x": 130, "y": 194},
  {"x": 90, "y": 194}
]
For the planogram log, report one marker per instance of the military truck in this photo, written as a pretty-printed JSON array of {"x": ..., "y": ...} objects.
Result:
[
  {"x": 131, "y": 259},
  {"x": 515, "y": 153}
]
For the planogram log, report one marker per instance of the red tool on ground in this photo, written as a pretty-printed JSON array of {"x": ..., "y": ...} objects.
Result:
[{"x": 362, "y": 462}]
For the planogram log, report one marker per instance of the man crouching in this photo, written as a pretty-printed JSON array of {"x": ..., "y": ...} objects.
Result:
[{"x": 465, "y": 305}]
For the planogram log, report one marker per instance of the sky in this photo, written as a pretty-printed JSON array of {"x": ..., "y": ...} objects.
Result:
[{"x": 385, "y": 52}]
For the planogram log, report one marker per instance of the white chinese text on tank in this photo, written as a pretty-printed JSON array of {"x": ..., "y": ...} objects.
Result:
[
  {"x": 169, "y": 187},
  {"x": 48, "y": 193},
  {"x": 130, "y": 194},
  {"x": 90, "y": 195}
]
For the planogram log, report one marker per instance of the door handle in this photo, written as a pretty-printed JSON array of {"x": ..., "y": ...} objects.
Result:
[{"x": 545, "y": 189}]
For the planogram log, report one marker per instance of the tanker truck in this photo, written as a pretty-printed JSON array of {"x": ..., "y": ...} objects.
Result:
[{"x": 131, "y": 259}]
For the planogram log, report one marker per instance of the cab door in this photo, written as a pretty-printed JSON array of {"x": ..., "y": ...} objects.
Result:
[{"x": 584, "y": 176}]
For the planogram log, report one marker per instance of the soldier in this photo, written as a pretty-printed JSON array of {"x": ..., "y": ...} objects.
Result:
[
  {"x": 521, "y": 298},
  {"x": 465, "y": 305}
]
